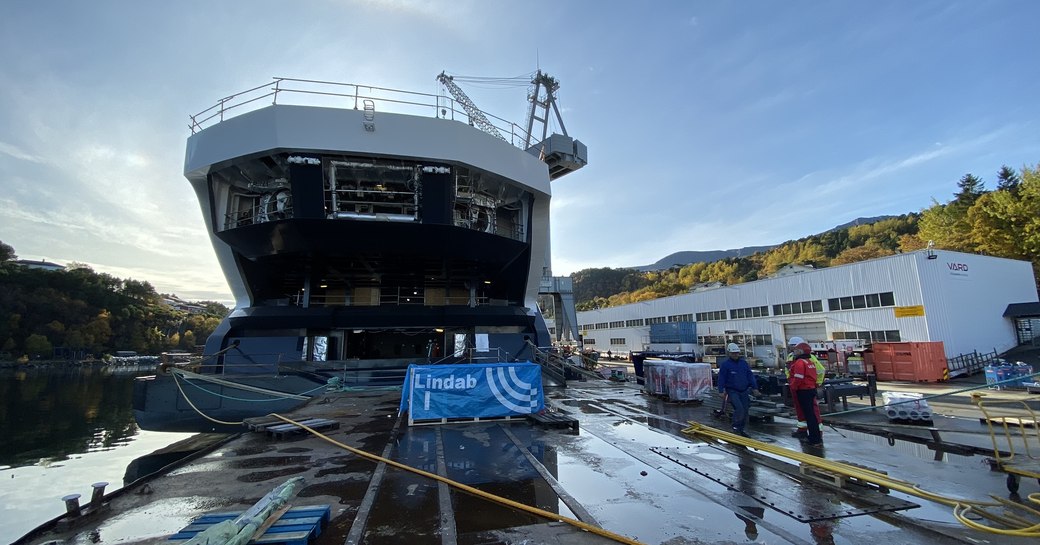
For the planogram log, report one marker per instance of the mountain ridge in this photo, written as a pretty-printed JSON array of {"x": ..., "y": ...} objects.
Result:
[{"x": 679, "y": 259}]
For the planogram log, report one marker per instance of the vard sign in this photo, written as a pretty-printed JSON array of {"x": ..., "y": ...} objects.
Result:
[
  {"x": 957, "y": 269},
  {"x": 435, "y": 392}
]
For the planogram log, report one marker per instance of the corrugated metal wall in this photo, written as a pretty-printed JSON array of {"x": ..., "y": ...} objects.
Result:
[
  {"x": 962, "y": 308},
  {"x": 963, "y": 293}
]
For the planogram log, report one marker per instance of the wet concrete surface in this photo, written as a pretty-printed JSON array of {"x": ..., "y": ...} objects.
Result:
[{"x": 629, "y": 467}]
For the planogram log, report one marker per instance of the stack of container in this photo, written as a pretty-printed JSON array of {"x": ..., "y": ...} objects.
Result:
[
  {"x": 906, "y": 406},
  {"x": 655, "y": 377},
  {"x": 679, "y": 381}
]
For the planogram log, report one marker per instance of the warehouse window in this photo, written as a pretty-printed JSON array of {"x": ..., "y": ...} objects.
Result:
[
  {"x": 886, "y": 336},
  {"x": 681, "y": 318},
  {"x": 620, "y": 323},
  {"x": 869, "y": 300},
  {"x": 802, "y": 307},
  {"x": 587, "y": 342},
  {"x": 657, "y": 320},
  {"x": 713, "y": 316},
  {"x": 601, "y": 325},
  {"x": 617, "y": 341},
  {"x": 749, "y": 312},
  {"x": 634, "y": 323},
  {"x": 762, "y": 340}
]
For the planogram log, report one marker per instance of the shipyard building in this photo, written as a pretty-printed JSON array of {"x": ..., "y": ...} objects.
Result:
[{"x": 967, "y": 301}]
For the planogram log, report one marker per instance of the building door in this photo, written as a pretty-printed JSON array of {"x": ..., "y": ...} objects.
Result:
[
  {"x": 812, "y": 332},
  {"x": 1028, "y": 330}
]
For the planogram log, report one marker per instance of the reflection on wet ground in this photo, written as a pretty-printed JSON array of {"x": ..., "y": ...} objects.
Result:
[
  {"x": 162, "y": 520},
  {"x": 628, "y": 469},
  {"x": 745, "y": 488}
]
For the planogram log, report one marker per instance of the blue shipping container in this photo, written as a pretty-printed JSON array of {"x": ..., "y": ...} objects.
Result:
[{"x": 673, "y": 332}]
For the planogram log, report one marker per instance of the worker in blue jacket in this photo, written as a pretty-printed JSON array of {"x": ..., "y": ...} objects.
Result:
[{"x": 736, "y": 383}]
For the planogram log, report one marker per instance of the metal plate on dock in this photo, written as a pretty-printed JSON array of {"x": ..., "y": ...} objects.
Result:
[
  {"x": 767, "y": 482},
  {"x": 555, "y": 420}
]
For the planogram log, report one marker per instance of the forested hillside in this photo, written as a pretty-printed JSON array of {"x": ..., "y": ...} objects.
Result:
[
  {"x": 1003, "y": 222},
  {"x": 78, "y": 312}
]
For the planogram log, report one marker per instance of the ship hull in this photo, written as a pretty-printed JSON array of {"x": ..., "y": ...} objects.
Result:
[{"x": 356, "y": 243}]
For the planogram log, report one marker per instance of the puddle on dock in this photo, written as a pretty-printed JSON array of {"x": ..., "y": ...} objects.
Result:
[
  {"x": 662, "y": 497},
  {"x": 635, "y": 499},
  {"x": 153, "y": 521},
  {"x": 261, "y": 476},
  {"x": 269, "y": 461}
]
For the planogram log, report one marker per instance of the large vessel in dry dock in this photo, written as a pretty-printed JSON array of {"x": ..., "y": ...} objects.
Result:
[{"x": 357, "y": 241}]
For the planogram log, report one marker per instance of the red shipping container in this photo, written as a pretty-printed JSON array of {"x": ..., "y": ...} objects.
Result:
[{"x": 911, "y": 361}]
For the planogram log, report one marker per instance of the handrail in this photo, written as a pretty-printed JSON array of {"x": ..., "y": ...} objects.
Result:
[{"x": 442, "y": 105}]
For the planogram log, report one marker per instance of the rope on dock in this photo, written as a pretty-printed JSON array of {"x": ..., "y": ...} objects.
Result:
[{"x": 469, "y": 489}]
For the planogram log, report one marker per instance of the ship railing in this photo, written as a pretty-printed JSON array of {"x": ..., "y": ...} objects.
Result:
[
  {"x": 491, "y": 355},
  {"x": 330, "y": 93}
]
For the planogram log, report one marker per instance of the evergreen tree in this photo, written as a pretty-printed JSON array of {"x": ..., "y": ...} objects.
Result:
[
  {"x": 7, "y": 253},
  {"x": 971, "y": 188},
  {"x": 1008, "y": 180}
]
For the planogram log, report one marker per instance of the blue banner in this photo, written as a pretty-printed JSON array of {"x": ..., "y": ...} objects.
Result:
[{"x": 472, "y": 390}]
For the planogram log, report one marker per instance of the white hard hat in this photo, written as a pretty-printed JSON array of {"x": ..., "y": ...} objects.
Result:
[
  {"x": 795, "y": 341},
  {"x": 732, "y": 347}
]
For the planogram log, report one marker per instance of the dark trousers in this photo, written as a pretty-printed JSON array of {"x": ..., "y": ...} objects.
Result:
[
  {"x": 806, "y": 401},
  {"x": 741, "y": 402}
]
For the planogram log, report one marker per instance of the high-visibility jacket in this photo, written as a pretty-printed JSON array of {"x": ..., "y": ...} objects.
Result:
[
  {"x": 803, "y": 375},
  {"x": 821, "y": 370}
]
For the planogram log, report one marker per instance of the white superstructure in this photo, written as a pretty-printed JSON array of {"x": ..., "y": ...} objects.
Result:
[{"x": 926, "y": 295}]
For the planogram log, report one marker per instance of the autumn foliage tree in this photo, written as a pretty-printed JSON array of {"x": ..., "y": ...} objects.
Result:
[
  {"x": 78, "y": 312},
  {"x": 1004, "y": 222}
]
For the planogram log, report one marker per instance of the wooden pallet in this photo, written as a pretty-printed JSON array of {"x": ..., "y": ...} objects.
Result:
[
  {"x": 463, "y": 420},
  {"x": 822, "y": 475},
  {"x": 296, "y": 526},
  {"x": 555, "y": 420},
  {"x": 1013, "y": 422},
  {"x": 838, "y": 480}
]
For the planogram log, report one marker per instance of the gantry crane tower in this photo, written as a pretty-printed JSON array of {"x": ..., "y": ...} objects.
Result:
[{"x": 560, "y": 152}]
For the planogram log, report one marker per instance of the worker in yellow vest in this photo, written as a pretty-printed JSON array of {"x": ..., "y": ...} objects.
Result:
[{"x": 821, "y": 370}]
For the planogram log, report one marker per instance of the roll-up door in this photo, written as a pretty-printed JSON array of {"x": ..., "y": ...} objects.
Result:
[{"x": 812, "y": 332}]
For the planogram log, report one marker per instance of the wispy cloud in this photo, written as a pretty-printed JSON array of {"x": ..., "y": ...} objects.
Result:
[{"x": 17, "y": 153}]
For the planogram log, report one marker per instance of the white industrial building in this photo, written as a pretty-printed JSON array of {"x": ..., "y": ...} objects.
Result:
[{"x": 927, "y": 295}]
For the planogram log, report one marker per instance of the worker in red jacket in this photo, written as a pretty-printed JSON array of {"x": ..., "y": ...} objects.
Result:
[{"x": 803, "y": 390}]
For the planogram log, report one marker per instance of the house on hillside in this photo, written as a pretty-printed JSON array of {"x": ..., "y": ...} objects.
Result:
[
  {"x": 41, "y": 264},
  {"x": 793, "y": 268}
]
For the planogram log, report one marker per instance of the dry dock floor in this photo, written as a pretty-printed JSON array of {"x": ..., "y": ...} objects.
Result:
[{"x": 628, "y": 469}]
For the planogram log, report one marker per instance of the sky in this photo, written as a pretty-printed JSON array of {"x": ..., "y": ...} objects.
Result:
[{"x": 710, "y": 125}]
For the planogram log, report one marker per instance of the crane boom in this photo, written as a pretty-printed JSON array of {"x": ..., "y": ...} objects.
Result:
[{"x": 476, "y": 117}]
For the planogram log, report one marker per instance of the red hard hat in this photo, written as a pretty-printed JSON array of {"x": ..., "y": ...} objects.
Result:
[{"x": 804, "y": 347}]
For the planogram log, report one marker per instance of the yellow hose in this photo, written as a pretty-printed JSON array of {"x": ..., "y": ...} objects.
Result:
[
  {"x": 961, "y": 507},
  {"x": 469, "y": 489}
]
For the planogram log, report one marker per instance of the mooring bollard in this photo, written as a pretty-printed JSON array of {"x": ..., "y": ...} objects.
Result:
[
  {"x": 97, "y": 494},
  {"x": 71, "y": 504}
]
